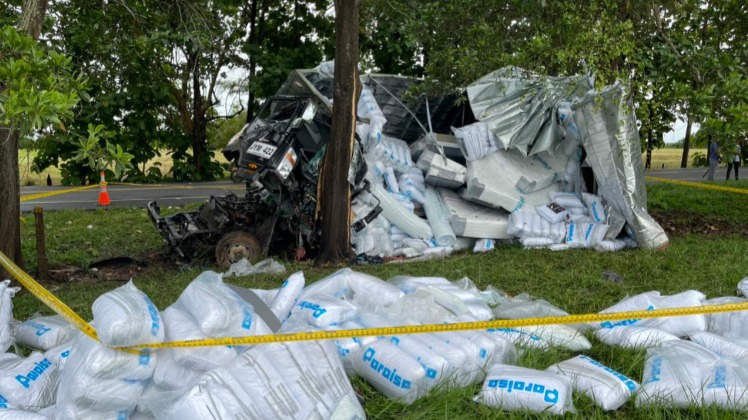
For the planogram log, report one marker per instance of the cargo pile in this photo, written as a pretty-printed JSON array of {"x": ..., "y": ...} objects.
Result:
[{"x": 692, "y": 360}]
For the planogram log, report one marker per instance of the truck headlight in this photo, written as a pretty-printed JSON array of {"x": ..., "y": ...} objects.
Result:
[{"x": 287, "y": 163}]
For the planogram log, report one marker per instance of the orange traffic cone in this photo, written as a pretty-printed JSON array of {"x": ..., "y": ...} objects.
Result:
[{"x": 103, "y": 194}]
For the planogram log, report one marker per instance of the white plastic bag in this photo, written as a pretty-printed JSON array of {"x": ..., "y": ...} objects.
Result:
[
  {"x": 181, "y": 326},
  {"x": 634, "y": 336},
  {"x": 722, "y": 346},
  {"x": 516, "y": 388},
  {"x": 29, "y": 383},
  {"x": 607, "y": 387},
  {"x": 286, "y": 297},
  {"x": 390, "y": 370},
  {"x": 42, "y": 332},
  {"x": 6, "y": 314},
  {"x": 218, "y": 310},
  {"x": 679, "y": 326},
  {"x": 126, "y": 316},
  {"x": 324, "y": 310}
]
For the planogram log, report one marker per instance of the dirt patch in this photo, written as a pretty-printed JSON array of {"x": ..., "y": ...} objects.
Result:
[
  {"x": 113, "y": 270},
  {"x": 681, "y": 222}
]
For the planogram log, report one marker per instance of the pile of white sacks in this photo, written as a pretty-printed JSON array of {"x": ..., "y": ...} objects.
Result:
[
  {"x": 693, "y": 360},
  {"x": 433, "y": 205}
]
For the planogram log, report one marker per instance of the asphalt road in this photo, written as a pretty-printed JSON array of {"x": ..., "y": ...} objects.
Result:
[
  {"x": 180, "y": 194},
  {"x": 129, "y": 195}
]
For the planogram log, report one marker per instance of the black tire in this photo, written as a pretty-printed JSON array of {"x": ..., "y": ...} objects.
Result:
[{"x": 234, "y": 246}]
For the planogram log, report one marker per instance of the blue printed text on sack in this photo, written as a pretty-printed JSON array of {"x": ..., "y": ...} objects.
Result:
[
  {"x": 513, "y": 385},
  {"x": 389, "y": 374},
  {"x": 34, "y": 373},
  {"x": 318, "y": 310}
]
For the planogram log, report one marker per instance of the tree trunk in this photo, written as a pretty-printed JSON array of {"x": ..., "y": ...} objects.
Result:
[
  {"x": 686, "y": 144},
  {"x": 10, "y": 191},
  {"x": 252, "y": 59},
  {"x": 32, "y": 18},
  {"x": 650, "y": 139},
  {"x": 335, "y": 192},
  {"x": 199, "y": 125}
]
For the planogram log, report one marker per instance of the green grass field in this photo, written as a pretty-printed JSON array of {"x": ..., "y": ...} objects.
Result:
[{"x": 712, "y": 262}]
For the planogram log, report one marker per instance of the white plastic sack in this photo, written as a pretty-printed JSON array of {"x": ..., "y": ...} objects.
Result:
[
  {"x": 728, "y": 324},
  {"x": 125, "y": 316},
  {"x": 516, "y": 388},
  {"x": 181, "y": 326},
  {"x": 390, "y": 370},
  {"x": 218, "y": 310},
  {"x": 634, "y": 336},
  {"x": 286, "y": 297},
  {"x": 43, "y": 333},
  {"x": 607, "y": 387},
  {"x": 743, "y": 286},
  {"x": 679, "y": 326},
  {"x": 6, "y": 314},
  {"x": 595, "y": 209},
  {"x": 29, "y": 383},
  {"x": 673, "y": 374},
  {"x": 721, "y": 346},
  {"x": 324, "y": 310}
]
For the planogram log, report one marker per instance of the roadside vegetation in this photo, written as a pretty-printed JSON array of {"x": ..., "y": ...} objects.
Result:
[{"x": 708, "y": 252}]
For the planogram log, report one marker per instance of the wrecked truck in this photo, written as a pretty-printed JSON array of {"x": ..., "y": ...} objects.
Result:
[
  {"x": 548, "y": 162},
  {"x": 278, "y": 157}
]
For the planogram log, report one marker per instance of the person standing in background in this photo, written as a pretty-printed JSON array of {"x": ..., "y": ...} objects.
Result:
[
  {"x": 733, "y": 160},
  {"x": 713, "y": 157},
  {"x": 744, "y": 150}
]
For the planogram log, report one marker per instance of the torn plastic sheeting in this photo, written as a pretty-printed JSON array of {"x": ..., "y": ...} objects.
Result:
[
  {"x": 438, "y": 216},
  {"x": 515, "y": 103},
  {"x": 400, "y": 216},
  {"x": 244, "y": 268},
  {"x": 611, "y": 140},
  {"x": 472, "y": 220}
]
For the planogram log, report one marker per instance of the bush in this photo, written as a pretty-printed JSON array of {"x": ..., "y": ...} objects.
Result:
[{"x": 699, "y": 159}]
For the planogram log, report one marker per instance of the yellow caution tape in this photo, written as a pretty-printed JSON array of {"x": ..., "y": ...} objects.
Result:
[
  {"x": 698, "y": 185},
  {"x": 68, "y": 314},
  {"x": 437, "y": 328},
  {"x": 47, "y": 297},
  {"x": 53, "y": 193}
]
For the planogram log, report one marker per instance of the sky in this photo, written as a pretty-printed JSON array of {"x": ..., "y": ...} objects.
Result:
[{"x": 678, "y": 132}]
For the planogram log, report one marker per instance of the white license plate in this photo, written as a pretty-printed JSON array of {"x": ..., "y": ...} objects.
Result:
[{"x": 262, "y": 150}]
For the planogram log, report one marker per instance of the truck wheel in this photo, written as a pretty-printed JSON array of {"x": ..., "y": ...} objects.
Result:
[{"x": 234, "y": 246}]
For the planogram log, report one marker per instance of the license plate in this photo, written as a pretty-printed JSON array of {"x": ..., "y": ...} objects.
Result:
[{"x": 262, "y": 150}]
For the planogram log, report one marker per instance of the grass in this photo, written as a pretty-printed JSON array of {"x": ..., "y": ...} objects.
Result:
[
  {"x": 572, "y": 280},
  {"x": 668, "y": 158}
]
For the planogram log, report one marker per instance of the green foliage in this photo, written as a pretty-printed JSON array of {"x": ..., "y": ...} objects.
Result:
[
  {"x": 37, "y": 87},
  {"x": 699, "y": 159}
]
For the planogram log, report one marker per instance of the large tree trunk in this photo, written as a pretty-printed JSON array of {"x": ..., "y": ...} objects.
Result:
[
  {"x": 252, "y": 59},
  {"x": 199, "y": 123},
  {"x": 650, "y": 139},
  {"x": 10, "y": 192},
  {"x": 335, "y": 192},
  {"x": 686, "y": 144},
  {"x": 32, "y": 18}
]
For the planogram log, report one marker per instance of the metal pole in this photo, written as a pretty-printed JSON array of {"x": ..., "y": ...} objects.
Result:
[{"x": 41, "y": 245}]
